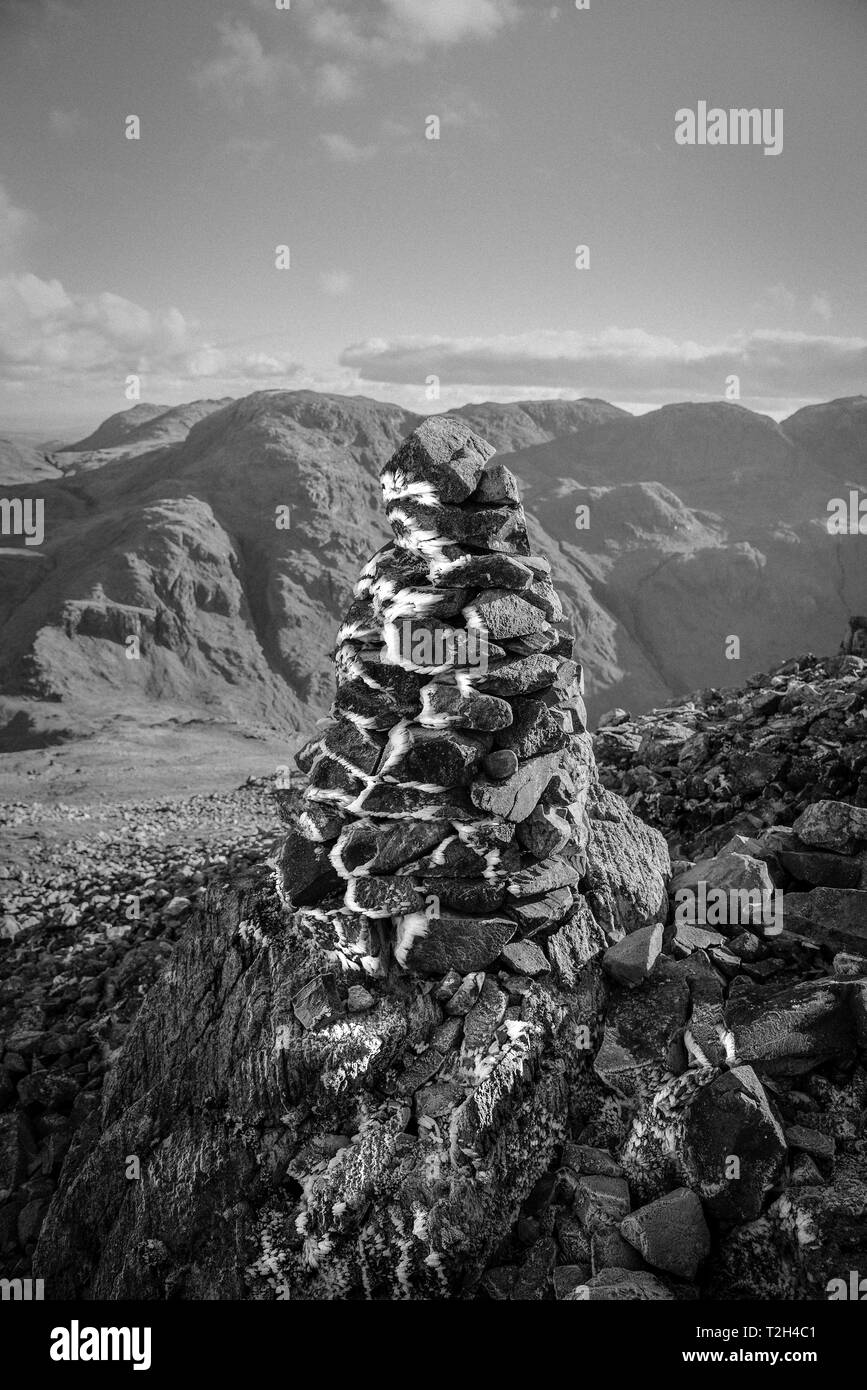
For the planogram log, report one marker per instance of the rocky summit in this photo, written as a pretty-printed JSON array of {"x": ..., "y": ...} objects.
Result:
[
  {"x": 480, "y": 1037},
  {"x": 735, "y": 760}
]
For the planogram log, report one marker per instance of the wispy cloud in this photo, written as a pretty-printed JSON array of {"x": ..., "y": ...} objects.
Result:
[
  {"x": 778, "y": 300},
  {"x": 623, "y": 364},
  {"x": 386, "y": 32},
  {"x": 345, "y": 150},
  {"x": 241, "y": 66}
]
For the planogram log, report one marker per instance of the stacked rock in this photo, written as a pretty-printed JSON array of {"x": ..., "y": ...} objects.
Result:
[{"x": 443, "y": 821}]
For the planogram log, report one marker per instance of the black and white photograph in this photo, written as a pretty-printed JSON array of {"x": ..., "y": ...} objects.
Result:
[{"x": 433, "y": 673}]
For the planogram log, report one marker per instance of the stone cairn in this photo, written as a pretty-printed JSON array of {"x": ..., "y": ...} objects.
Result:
[
  {"x": 389, "y": 1068},
  {"x": 443, "y": 825}
]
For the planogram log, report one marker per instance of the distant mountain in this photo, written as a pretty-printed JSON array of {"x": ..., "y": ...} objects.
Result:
[
  {"x": 521, "y": 424},
  {"x": 834, "y": 435},
  {"x": 117, "y": 429},
  {"x": 705, "y": 523},
  {"x": 145, "y": 426}
]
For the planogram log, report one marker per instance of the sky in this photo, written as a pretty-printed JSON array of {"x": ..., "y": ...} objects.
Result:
[{"x": 424, "y": 270}]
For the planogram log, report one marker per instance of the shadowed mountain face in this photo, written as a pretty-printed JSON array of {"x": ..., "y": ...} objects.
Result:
[{"x": 222, "y": 535}]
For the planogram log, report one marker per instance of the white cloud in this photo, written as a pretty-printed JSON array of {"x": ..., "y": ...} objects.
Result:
[
  {"x": 451, "y": 21},
  {"x": 53, "y": 339},
  {"x": 239, "y": 369},
  {"x": 47, "y": 330},
  {"x": 344, "y": 150},
  {"x": 242, "y": 66},
  {"x": 60, "y": 344},
  {"x": 393, "y": 31},
  {"x": 622, "y": 363},
  {"x": 777, "y": 300},
  {"x": 65, "y": 124}
]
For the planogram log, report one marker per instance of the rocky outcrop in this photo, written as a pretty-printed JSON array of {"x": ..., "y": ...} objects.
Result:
[
  {"x": 751, "y": 1092},
  {"x": 741, "y": 760}
]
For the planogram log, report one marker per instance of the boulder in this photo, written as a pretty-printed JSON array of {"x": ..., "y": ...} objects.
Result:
[
  {"x": 671, "y": 1233},
  {"x": 631, "y": 960}
]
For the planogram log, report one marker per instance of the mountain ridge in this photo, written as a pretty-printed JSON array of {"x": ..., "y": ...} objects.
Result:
[{"x": 705, "y": 521}]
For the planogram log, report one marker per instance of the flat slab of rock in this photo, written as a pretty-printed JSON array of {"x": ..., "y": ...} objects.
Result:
[
  {"x": 525, "y": 958},
  {"x": 317, "y": 1003},
  {"x": 485, "y": 1016},
  {"x": 503, "y": 614},
  {"x": 542, "y": 878},
  {"x": 836, "y": 917},
  {"x": 514, "y": 798},
  {"x": 485, "y": 572},
  {"x": 670, "y": 1233},
  {"x": 732, "y": 1118},
  {"x": 794, "y": 1030},
  {"x": 688, "y": 938},
  {"x": 542, "y": 914},
  {"x": 631, "y": 960},
  {"x": 834, "y": 825},
  {"x": 587, "y": 1159},
  {"x": 518, "y": 677},
  {"x": 810, "y": 1141},
  {"x": 628, "y": 866},
  {"x": 444, "y": 706},
  {"x": 635, "y": 1053},
  {"x": 537, "y": 728},
  {"x": 305, "y": 871},
  {"x": 609, "y": 1250},
  {"x": 822, "y": 869},
  {"x": 576, "y": 941},
  {"x": 730, "y": 873},
  {"x": 600, "y": 1201},
  {"x": 465, "y": 944}
]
